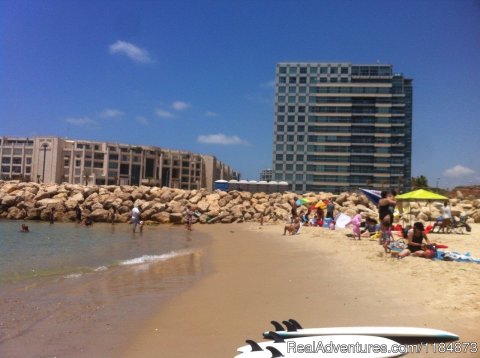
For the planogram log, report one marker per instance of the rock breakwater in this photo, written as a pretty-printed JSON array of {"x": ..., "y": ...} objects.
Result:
[{"x": 32, "y": 201}]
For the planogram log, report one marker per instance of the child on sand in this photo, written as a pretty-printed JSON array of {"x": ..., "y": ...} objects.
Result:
[
  {"x": 292, "y": 228},
  {"x": 385, "y": 235},
  {"x": 355, "y": 222},
  {"x": 371, "y": 227}
]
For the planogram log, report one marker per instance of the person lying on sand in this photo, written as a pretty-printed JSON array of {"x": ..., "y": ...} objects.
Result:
[{"x": 292, "y": 228}]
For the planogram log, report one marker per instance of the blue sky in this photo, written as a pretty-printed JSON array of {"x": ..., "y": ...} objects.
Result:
[{"x": 198, "y": 75}]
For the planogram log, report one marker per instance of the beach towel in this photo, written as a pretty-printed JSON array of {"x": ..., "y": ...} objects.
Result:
[
  {"x": 456, "y": 256},
  {"x": 397, "y": 246}
]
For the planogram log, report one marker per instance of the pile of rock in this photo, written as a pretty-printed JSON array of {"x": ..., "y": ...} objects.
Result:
[{"x": 32, "y": 201}]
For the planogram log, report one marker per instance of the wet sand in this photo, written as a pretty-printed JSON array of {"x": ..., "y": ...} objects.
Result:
[
  {"x": 93, "y": 314},
  {"x": 318, "y": 277}
]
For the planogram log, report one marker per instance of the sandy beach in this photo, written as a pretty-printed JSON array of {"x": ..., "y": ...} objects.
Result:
[{"x": 319, "y": 277}]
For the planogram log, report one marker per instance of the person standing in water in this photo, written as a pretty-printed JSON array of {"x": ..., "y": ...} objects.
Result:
[
  {"x": 51, "y": 216},
  {"x": 135, "y": 217},
  {"x": 188, "y": 218}
]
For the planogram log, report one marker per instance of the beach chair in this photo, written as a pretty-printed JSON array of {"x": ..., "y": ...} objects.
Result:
[
  {"x": 441, "y": 225},
  {"x": 460, "y": 226}
]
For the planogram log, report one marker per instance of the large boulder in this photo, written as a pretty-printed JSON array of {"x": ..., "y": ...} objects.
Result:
[
  {"x": 176, "y": 218},
  {"x": 202, "y": 206},
  {"x": 162, "y": 217},
  {"x": 9, "y": 187},
  {"x": 99, "y": 215},
  {"x": 15, "y": 213},
  {"x": 9, "y": 200},
  {"x": 71, "y": 204},
  {"x": 50, "y": 202},
  {"x": 42, "y": 194}
]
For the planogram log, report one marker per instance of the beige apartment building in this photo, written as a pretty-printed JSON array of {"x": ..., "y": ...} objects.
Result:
[{"x": 62, "y": 160}]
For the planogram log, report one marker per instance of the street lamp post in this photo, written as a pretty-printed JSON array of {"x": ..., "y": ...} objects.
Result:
[{"x": 44, "y": 146}]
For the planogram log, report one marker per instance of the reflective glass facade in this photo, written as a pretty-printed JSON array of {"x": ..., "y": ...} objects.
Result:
[{"x": 340, "y": 126}]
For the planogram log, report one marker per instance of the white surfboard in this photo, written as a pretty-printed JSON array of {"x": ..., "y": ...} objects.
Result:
[
  {"x": 326, "y": 346},
  {"x": 409, "y": 334}
]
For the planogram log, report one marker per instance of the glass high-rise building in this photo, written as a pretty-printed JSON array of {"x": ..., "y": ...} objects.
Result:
[{"x": 340, "y": 126}]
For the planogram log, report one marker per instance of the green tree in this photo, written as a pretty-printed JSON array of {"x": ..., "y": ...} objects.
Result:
[{"x": 419, "y": 182}]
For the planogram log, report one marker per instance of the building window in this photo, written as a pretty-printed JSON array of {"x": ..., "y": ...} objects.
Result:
[
  {"x": 124, "y": 169},
  {"x": 5, "y": 160}
]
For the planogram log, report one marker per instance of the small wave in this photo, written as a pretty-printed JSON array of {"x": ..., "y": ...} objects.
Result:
[
  {"x": 73, "y": 275},
  {"x": 101, "y": 268},
  {"x": 153, "y": 258}
]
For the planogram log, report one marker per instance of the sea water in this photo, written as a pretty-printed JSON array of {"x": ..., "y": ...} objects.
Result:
[
  {"x": 62, "y": 249},
  {"x": 88, "y": 281}
]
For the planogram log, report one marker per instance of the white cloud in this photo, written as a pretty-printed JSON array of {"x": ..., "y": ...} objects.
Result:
[
  {"x": 180, "y": 105},
  {"x": 210, "y": 114},
  {"x": 163, "y": 113},
  {"x": 141, "y": 120},
  {"x": 268, "y": 84},
  {"x": 135, "y": 53},
  {"x": 111, "y": 113},
  {"x": 80, "y": 121},
  {"x": 220, "y": 139},
  {"x": 458, "y": 171}
]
